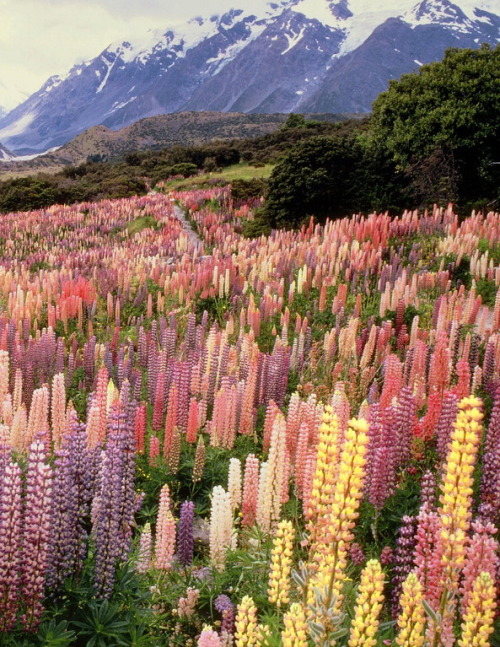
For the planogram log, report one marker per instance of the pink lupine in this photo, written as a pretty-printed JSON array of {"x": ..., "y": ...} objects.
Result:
[
  {"x": 209, "y": 638},
  {"x": 481, "y": 557},
  {"x": 58, "y": 408},
  {"x": 140, "y": 427},
  {"x": 192, "y": 425},
  {"x": 428, "y": 553},
  {"x": 145, "y": 550},
  {"x": 10, "y": 539},
  {"x": 250, "y": 490},
  {"x": 165, "y": 532}
]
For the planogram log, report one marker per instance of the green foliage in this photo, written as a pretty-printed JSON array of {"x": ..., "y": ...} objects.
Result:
[
  {"x": 144, "y": 222},
  {"x": 244, "y": 190},
  {"x": 445, "y": 122},
  {"x": 319, "y": 177}
]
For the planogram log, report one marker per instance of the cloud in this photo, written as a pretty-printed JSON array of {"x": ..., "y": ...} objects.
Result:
[{"x": 39, "y": 38}]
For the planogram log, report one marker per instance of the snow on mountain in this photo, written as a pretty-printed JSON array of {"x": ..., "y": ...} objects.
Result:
[{"x": 292, "y": 55}]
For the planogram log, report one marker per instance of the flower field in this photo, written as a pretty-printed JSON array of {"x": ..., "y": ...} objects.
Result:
[{"x": 210, "y": 440}]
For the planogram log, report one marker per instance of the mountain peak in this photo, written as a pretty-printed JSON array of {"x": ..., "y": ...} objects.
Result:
[{"x": 282, "y": 56}]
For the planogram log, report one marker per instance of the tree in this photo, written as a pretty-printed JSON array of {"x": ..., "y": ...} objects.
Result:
[
  {"x": 449, "y": 110},
  {"x": 319, "y": 177}
]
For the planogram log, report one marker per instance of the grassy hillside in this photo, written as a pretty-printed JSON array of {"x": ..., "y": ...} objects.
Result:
[{"x": 183, "y": 129}]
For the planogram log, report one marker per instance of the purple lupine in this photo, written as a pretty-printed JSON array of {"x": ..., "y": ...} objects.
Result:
[
  {"x": 73, "y": 483},
  {"x": 10, "y": 537},
  {"x": 444, "y": 425},
  {"x": 405, "y": 421},
  {"x": 226, "y": 608},
  {"x": 114, "y": 502},
  {"x": 387, "y": 556},
  {"x": 185, "y": 539},
  {"x": 36, "y": 533},
  {"x": 382, "y": 460},
  {"x": 403, "y": 558},
  {"x": 490, "y": 481},
  {"x": 356, "y": 554}
]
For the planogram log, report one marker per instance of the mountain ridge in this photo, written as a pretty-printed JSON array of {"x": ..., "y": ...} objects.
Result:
[{"x": 297, "y": 55}]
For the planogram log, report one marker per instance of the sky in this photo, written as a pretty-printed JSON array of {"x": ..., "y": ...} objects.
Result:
[{"x": 39, "y": 38}]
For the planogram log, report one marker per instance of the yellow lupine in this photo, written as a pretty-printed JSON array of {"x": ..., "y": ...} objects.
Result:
[
  {"x": 281, "y": 564},
  {"x": 478, "y": 619},
  {"x": 295, "y": 632},
  {"x": 368, "y": 606},
  {"x": 327, "y": 460},
  {"x": 456, "y": 510},
  {"x": 411, "y": 620},
  {"x": 456, "y": 488},
  {"x": 329, "y": 556},
  {"x": 246, "y": 634}
]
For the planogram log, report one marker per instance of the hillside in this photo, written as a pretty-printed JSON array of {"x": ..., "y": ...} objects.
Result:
[{"x": 180, "y": 129}]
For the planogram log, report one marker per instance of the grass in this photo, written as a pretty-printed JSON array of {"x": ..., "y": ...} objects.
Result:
[
  {"x": 144, "y": 222},
  {"x": 226, "y": 176}
]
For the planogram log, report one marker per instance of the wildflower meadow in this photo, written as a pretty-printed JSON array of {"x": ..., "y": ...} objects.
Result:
[{"x": 210, "y": 440}]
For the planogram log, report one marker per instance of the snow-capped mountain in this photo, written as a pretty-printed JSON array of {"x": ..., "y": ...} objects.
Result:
[
  {"x": 295, "y": 56},
  {"x": 5, "y": 155}
]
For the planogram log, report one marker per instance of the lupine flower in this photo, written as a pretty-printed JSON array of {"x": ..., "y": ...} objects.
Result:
[
  {"x": 411, "y": 620},
  {"x": 246, "y": 624},
  {"x": 477, "y": 624},
  {"x": 250, "y": 491},
  {"x": 269, "y": 507},
  {"x": 387, "y": 556},
  {"x": 209, "y": 638},
  {"x": 145, "y": 550},
  {"x": 36, "y": 534},
  {"x": 185, "y": 540},
  {"x": 10, "y": 539},
  {"x": 226, "y": 608},
  {"x": 295, "y": 632},
  {"x": 403, "y": 558},
  {"x": 165, "y": 532},
  {"x": 330, "y": 556},
  {"x": 281, "y": 564},
  {"x": 234, "y": 482},
  {"x": 221, "y": 526},
  {"x": 325, "y": 474},
  {"x": 368, "y": 606},
  {"x": 199, "y": 460},
  {"x": 187, "y": 606},
  {"x": 356, "y": 554}
]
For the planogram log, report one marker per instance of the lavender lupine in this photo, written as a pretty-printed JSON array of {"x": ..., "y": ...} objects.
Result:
[
  {"x": 445, "y": 422},
  {"x": 490, "y": 482},
  {"x": 226, "y": 608},
  {"x": 185, "y": 539},
  {"x": 405, "y": 421},
  {"x": 74, "y": 475},
  {"x": 36, "y": 534},
  {"x": 10, "y": 537},
  {"x": 114, "y": 504}
]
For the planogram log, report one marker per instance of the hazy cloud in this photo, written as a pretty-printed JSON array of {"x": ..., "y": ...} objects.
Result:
[{"x": 39, "y": 38}]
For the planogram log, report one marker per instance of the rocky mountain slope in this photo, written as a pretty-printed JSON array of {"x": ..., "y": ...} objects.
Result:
[{"x": 296, "y": 56}]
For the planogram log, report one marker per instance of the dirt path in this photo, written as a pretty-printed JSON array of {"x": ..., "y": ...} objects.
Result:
[{"x": 193, "y": 237}]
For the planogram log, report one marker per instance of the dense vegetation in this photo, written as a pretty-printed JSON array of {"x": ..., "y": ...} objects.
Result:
[
  {"x": 433, "y": 137},
  {"x": 290, "y": 441},
  {"x": 98, "y": 179}
]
